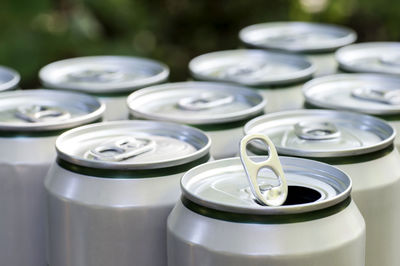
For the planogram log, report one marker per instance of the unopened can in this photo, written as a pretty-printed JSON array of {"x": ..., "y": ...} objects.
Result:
[
  {"x": 372, "y": 57},
  {"x": 9, "y": 78},
  {"x": 30, "y": 121},
  {"x": 110, "y": 78},
  {"x": 112, "y": 187},
  {"x": 277, "y": 76},
  {"x": 374, "y": 94},
  {"x": 221, "y": 110},
  {"x": 361, "y": 146},
  {"x": 220, "y": 222},
  {"x": 317, "y": 41}
]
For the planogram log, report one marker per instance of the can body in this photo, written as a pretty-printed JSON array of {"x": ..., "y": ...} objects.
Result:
[
  {"x": 283, "y": 98},
  {"x": 23, "y": 166},
  {"x": 325, "y": 63},
  {"x": 108, "y": 221},
  {"x": 327, "y": 241},
  {"x": 225, "y": 142},
  {"x": 116, "y": 107}
]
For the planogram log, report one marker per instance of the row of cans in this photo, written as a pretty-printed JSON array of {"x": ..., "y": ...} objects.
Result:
[{"x": 112, "y": 185}]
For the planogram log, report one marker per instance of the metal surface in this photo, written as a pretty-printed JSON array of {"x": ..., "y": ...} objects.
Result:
[
  {"x": 322, "y": 133},
  {"x": 251, "y": 67},
  {"x": 196, "y": 103},
  {"x": 303, "y": 37},
  {"x": 374, "y": 57},
  {"x": 9, "y": 78},
  {"x": 103, "y": 74}
]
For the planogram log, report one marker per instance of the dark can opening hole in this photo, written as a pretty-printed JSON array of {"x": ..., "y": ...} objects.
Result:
[{"x": 301, "y": 195}]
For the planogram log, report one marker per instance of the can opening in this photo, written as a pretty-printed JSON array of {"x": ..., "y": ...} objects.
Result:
[{"x": 301, "y": 195}]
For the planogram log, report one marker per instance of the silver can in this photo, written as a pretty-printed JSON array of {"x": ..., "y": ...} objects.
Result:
[
  {"x": 9, "y": 78},
  {"x": 112, "y": 187},
  {"x": 30, "y": 121},
  {"x": 220, "y": 222},
  {"x": 317, "y": 41},
  {"x": 373, "y": 94},
  {"x": 361, "y": 146},
  {"x": 372, "y": 57},
  {"x": 110, "y": 78},
  {"x": 221, "y": 110},
  {"x": 277, "y": 76}
]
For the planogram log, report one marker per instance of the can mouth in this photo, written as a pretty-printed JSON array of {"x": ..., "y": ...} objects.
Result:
[{"x": 301, "y": 195}]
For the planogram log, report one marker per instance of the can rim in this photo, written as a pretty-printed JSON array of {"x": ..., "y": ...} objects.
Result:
[
  {"x": 57, "y": 125},
  {"x": 339, "y": 77},
  {"x": 324, "y": 168},
  {"x": 77, "y": 160},
  {"x": 107, "y": 88},
  {"x": 340, "y": 42},
  {"x": 318, "y": 153},
  {"x": 223, "y": 118},
  {"x": 11, "y": 84},
  {"x": 297, "y": 76}
]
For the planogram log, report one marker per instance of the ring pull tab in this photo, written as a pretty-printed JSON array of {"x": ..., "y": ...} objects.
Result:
[
  {"x": 291, "y": 36},
  {"x": 96, "y": 75},
  {"x": 121, "y": 149},
  {"x": 390, "y": 60},
  {"x": 271, "y": 195},
  {"x": 315, "y": 130},
  {"x": 247, "y": 69},
  {"x": 204, "y": 101},
  {"x": 41, "y": 113},
  {"x": 377, "y": 95}
]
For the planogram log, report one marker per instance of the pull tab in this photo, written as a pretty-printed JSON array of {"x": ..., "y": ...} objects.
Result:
[
  {"x": 121, "y": 149},
  {"x": 291, "y": 36},
  {"x": 272, "y": 195},
  {"x": 41, "y": 113},
  {"x": 204, "y": 101},
  {"x": 247, "y": 69},
  {"x": 377, "y": 95},
  {"x": 98, "y": 75},
  {"x": 314, "y": 130},
  {"x": 390, "y": 60}
]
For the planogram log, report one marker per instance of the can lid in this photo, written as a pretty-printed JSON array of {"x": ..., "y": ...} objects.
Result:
[
  {"x": 9, "y": 78},
  {"x": 322, "y": 133},
  {"x": 367, "y": 93},
  {"x": 223, "y": 185},
  {"x": 103, "y": 74},
  {"x": 297, "y": 36},
  {"x": 251, "y": 67},
  {"x": 374, "y": 57},
  {"x": 44, "y": 110},
  {"x": 196, "y": 103},
  {"x": 128, "y": 145}
]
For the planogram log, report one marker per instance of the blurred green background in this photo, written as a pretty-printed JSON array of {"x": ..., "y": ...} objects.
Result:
[{"x": 35, "y": 33}]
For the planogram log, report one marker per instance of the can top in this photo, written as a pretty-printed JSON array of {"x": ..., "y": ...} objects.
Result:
[
  {"x": 299, "y": 37},
  {"x": 9, "y": 78},
  {"x": 322, "y": 133},
  {"x": 103, "y": 74},
  {"x": 367, "y": 93},
  {"x": 375, "y": 57},
  {"x": 251, "y": 67},
  {"x": 132, "y": 145},
  {"x": 44, "y": 110},
  {"x": 223, "y": 185},
  {"x": 196, "y": 103}
]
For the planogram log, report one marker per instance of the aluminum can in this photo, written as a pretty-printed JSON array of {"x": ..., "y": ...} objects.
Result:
[
  {"x": 110, "y": 78},
  {"x": 371, "y": 57},
  {"x": 360, "y": 145},
  {"x": 220, "y": 110},
  {"x": 316, "y": 41},
  {"x": 9, "y": 79},
  {"x": 374, "y": 94},
  {"x": 278, "y": 77},
  {"x": 112, "y": 187},
  {"x": 30, "y": 121},
  {"x": 219, "y": 222}
]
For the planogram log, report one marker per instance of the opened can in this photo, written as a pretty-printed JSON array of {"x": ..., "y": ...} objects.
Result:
[
  {"x": 221, "y": 110},
  {"x": 220, "y": 221},
  {"x": 112, "y": 187},
  {"x": 9, "y": 78},
  {"x": 317, "y": 41},
  {"x": 277, "y": 76},
  {"x": 30, "y": 121},
  {"x": 110, "y": 78},
  {"x": 360, "y": 145}
]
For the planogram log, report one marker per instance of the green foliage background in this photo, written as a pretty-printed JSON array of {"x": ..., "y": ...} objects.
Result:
[{"x": 34, "y": 33}]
